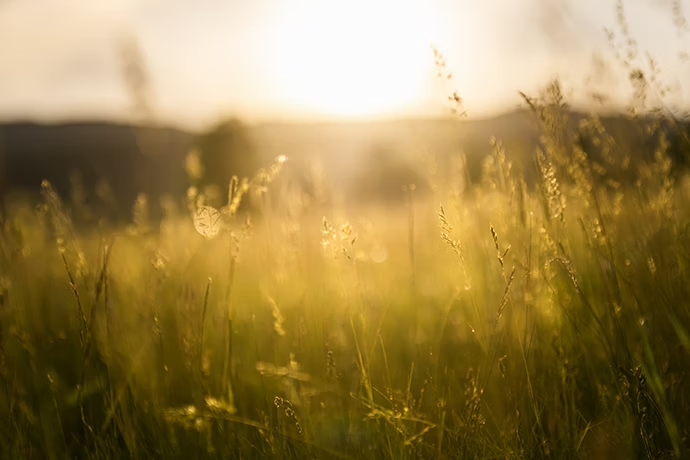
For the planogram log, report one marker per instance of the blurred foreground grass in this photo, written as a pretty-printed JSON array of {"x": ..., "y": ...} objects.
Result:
[{"x": 507, "y": 323}]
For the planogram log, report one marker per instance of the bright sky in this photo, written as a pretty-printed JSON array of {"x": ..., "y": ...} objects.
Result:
[{"x": 266, "y": 60}]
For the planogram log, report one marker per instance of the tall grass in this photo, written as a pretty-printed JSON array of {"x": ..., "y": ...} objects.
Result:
[{"x": 505, "y": 323}]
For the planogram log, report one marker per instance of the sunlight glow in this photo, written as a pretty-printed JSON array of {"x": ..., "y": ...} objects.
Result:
[{"x": 353, "y": 59}]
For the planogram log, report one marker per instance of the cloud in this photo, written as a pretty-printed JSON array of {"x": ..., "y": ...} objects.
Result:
[
  {"x": 52, "y": 49},
  {"x": 568, "y": 25}
]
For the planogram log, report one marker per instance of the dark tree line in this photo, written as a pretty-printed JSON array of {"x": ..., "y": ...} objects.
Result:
[{"x": 107, "y": 166}]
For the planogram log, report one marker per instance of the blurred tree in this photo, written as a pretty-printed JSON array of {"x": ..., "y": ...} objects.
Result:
[
  {"x": 226, "y": 150},
  {"x": 384, "y": 176}
]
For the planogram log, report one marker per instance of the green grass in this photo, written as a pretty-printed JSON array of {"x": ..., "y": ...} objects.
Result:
[{"x": 508, "y": 323}]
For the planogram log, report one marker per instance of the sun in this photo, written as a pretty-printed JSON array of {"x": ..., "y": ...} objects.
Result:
[{"x": 360, "y": 58}]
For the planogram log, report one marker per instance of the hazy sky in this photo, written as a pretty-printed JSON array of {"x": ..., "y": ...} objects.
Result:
[{"x": 268, "y": 60}]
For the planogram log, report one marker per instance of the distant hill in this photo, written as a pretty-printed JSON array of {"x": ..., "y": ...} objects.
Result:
[
  {"x": 119, "y": 160},
  {"x": 345, "y": 150},
  {"x": 151, "y": 159}
]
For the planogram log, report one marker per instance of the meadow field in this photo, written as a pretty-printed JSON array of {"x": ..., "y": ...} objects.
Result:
[{"x": 495, "y": 319}]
